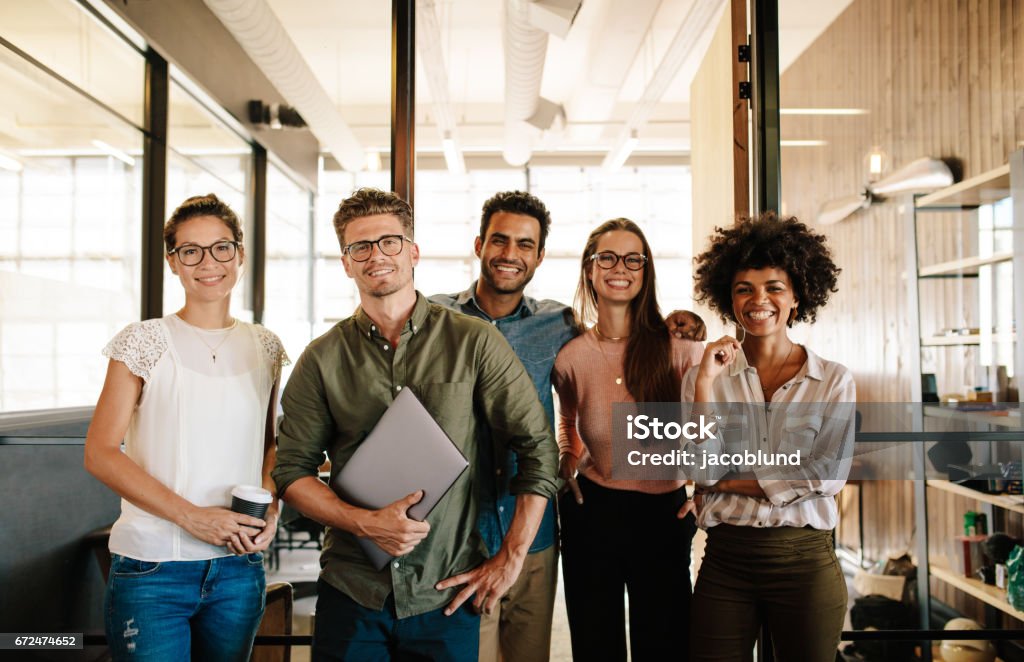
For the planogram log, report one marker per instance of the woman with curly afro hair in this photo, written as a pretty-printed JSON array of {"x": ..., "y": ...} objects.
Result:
[{"x": 769, "y": 558}]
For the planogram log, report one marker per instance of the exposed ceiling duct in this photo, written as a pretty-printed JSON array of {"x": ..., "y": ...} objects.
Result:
[
  {"x": 526, "y": 46},
  {"x": 697, "y": 23},
  {"x": 428, "y": 45},
  {"x": 258, "y": 30}
]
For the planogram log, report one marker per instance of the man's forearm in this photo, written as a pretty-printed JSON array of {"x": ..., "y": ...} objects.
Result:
[
  {"x": 311, "y": 497},
  {"x": 525, "y": 522}
]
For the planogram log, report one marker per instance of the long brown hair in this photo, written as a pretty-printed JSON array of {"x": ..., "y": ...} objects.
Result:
[{"x": 648, "y": 370}]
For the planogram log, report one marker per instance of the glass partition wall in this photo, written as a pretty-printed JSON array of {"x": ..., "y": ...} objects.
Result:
[{"x": 70, "y": 201}]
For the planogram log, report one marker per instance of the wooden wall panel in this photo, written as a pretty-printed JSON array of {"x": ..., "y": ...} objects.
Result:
[
  {"x": 719, "y": 155},
  {"x": 938, "y": 78}
]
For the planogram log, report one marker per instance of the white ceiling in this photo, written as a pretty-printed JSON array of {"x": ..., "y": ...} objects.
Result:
[
  {"x": 347, "y": 44},
  {"x": 598, "y": 72}
]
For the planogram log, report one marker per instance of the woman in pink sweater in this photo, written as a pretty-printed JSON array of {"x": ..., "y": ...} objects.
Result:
[{"x": 620, "y": 536}]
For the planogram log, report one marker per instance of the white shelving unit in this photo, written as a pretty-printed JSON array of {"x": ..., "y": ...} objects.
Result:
[{"x": 991, "y": 187}]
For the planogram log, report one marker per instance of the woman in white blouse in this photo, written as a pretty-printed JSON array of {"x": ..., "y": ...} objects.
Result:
[
  {"x": 769, "y": 558},
  {"x": 192, "y": 397}
]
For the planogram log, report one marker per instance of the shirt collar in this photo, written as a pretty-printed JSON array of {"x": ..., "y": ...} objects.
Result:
[
  {"x": 415, "y": 322},
  {"x": 526, "y": 307},
  {"x": 812, "y": 369}
]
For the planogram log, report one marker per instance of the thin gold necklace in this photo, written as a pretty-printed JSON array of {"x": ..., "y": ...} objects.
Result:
[
  {"x": 778, "y": 372},
  {"x": 598, "y": 331},
  {"x": 618, "y": 380},
  {"x": 213, "y": 349}
]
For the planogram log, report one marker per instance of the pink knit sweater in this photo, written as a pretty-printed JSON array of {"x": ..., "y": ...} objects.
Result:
[{"x": 584, "y": 378}]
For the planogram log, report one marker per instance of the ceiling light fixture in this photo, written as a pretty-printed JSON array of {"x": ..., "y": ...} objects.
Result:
[
  {"x": 451, "y": 156},
  {"x": 823, "y": 111},
  {"x": 431, "y": 56},
  {"x": 114, "y": 152},
  {"x": 617, "y": 157},
  {"x": 373, "y": 162},
  {"x": 10, "y": 163},
  {"x": 802, "y": 143}
]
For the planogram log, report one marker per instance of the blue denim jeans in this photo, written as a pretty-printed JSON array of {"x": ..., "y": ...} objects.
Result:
[
  {"x": 174, "y": 610},
  {"x": 345, "y": 631}
]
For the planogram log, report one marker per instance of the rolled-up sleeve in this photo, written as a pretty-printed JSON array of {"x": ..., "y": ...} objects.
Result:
[
  {"x": 307, "y": 426},
  {"x": 508, "y": 399}
]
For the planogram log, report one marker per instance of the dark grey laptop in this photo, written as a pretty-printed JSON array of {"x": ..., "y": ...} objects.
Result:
[{"x": 406, "y": 451}]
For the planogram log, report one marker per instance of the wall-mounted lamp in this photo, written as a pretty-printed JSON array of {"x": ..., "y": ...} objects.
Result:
[{"x": 876, "y": 163}]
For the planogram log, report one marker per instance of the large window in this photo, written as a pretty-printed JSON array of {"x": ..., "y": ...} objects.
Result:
[
  {"x": 70, "y": 203},
  {"x": 335, "y": 293},
  {"x": 289, "y": 264},
  {"x": 448, "y": 220}
]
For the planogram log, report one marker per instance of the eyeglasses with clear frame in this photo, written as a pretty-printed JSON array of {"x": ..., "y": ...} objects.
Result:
[
  {"x": 389, "y": 244},
  {"x": 192, "y": 254},
  {"x": 608, "y": 260}
]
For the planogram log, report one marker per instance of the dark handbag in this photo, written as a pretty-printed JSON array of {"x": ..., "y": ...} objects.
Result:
[{"x": 877, "y": 612}]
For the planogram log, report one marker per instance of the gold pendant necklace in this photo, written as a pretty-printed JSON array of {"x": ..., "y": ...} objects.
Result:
[
  {"x": 213, "y": 349},
  {"x": 618, "y": 380}
]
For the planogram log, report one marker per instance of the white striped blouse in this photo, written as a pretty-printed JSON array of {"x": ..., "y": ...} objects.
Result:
[{"x": 814, "y": 412}]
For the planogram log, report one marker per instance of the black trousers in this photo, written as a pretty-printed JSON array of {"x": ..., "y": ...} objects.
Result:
[{"x": 618, "y": 542}]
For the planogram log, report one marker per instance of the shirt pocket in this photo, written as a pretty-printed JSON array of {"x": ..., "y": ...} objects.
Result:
[
  {"x": 801, "y": 431},
  {"x": 451, "y": 406}
]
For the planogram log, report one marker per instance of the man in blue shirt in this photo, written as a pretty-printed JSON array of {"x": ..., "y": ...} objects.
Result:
[{"x": 513, "y": 228}]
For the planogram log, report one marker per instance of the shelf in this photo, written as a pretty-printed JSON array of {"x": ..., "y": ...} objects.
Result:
[
  {"x": 979, "y": 589},
  {"x": 971, "y": 339},
  {"x": 1014, "y": 503},
  {"x": 1010, "y": 420},
  {"x": 959, "y": 266},
  {"x": 986, "y": 188}
]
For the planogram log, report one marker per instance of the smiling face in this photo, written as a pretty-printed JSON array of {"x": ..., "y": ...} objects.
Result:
[
  {"x": 209, "y": 280},
  {"x": 381, "y": 275},
  {"x": 763, "y": 300},
  {"x": 617, "y": 284},
  {"x": 509, "y": 253}
]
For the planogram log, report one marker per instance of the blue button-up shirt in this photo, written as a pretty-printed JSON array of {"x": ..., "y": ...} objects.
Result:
[{"x": 536, "y": 330}]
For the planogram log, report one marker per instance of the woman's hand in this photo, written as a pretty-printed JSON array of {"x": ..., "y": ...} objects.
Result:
[
  {"x": 718, "y": 355},
  {"x": 220, "y": 526},
  {"x": 242, "y": 543},
  {"x": 691, "y": 506},
  {"x": 567, "y": 472}
]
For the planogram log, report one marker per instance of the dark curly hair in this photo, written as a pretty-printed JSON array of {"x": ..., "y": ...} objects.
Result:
[
  {"x": 761, "y": 242},
  {"x": 516, "y": 202}
]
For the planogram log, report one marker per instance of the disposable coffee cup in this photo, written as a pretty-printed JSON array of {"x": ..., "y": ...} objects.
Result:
[{"x": 251, "y": 500}]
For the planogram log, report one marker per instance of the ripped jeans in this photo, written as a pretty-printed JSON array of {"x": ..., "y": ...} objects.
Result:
[{"x": 176, "y": 610}]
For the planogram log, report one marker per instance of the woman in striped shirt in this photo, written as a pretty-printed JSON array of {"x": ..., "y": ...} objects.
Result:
[{"x": 769, "y": 558}]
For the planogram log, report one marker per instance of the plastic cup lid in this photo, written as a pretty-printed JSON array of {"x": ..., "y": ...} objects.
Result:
[{"x": 252, "y": 493}]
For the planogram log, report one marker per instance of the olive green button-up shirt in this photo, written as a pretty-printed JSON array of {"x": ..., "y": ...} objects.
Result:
[{"x": 467, "y": 376}]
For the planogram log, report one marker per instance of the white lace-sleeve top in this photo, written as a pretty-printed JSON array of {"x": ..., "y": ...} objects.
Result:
[{"x": 199, "y": 424}]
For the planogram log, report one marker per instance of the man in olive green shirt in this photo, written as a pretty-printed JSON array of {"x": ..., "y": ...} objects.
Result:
[{"x": 469, "y": 379}]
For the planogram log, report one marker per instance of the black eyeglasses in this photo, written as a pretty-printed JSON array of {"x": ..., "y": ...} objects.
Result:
[
  {"x": 192, "y": 254},
  {"x": 389, "y": 244},
  {"x": 608, "y": 260}
]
